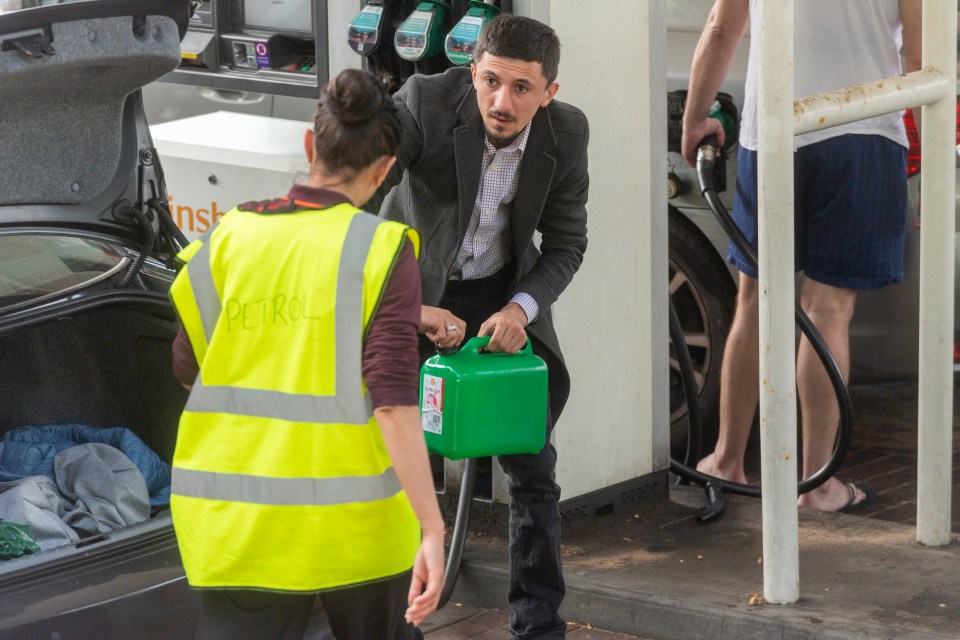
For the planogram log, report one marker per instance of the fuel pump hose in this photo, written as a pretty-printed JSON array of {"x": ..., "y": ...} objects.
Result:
[{"x": 706, "y": 158}]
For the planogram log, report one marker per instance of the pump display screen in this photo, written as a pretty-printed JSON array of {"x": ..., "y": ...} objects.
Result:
[{"x": 278, "y": 15}]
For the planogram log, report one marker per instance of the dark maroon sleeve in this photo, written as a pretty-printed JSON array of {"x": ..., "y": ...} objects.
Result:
[
  {"x": 391, "y": 355},
  {"x": 185, "y": 367}
]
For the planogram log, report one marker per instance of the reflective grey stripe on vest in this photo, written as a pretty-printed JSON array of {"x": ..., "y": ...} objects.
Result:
[
  {"x": 205, "y": 236},
  {"x": 201, "y": 281},
  {"x": 349, "y": 405},
  {"x": 204, "y": 291},
  {"x": 235, "y": 487},
  {"x": 344, "y": 407}
]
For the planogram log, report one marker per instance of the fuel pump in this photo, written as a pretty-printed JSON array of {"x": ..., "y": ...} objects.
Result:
[
  {"x": 277, "y": 47},
  {"x": 462, "y": 40},
  {"x": 420, "y": 38}
]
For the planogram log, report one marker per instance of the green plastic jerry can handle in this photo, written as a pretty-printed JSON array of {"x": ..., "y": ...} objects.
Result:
[{"x": 476, "y": 343}]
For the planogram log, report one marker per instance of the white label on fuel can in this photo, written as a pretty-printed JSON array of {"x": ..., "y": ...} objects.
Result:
[{"x": 431, "y": 407}]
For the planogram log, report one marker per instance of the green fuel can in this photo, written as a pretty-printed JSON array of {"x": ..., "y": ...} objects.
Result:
[{"x": 475, "y": 403}]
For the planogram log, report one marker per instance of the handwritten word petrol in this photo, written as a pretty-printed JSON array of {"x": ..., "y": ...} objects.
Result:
[{"x": 278, "y": 310}]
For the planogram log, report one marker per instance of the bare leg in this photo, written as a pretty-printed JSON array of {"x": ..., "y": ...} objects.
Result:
[
  {"x": 830, "y": 308},
  {"x": 739, "y": 388}
]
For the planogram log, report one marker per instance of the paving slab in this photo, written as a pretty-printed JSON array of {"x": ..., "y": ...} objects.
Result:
[{"x": 655, "y": 573}]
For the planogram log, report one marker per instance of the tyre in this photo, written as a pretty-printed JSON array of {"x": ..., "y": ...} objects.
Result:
[{"x": 704, "y": 295}]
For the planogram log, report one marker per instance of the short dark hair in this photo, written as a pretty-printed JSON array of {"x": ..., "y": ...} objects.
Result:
[
  {"x": 356, "y": 123},
  {"x": 521, "y": 38}
]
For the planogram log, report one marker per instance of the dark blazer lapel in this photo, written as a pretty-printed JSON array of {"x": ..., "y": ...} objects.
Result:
[
  {"x": 468, "y": 150},
  {"x": 533, "y": 182}
]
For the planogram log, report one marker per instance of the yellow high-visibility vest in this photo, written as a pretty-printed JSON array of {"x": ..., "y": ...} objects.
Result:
[{"x": 281, "y": 479}]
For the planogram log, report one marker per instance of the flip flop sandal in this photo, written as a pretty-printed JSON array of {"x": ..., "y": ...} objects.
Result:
[{"x": 852, "y": 506}]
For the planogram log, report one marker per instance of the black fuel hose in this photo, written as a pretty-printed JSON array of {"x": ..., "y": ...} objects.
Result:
[
  {"x": 706, "y": 160},
  {"x": 459, "y": 536}
]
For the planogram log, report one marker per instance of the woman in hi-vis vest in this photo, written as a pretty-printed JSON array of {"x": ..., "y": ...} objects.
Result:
[{"x": 300, "y": 472}]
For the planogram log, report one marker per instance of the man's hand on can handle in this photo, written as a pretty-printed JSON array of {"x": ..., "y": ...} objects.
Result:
[{"x": 506, "y": 329}]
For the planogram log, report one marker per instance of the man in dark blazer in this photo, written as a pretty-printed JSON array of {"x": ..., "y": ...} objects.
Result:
[{"x": 487, "y": 159}]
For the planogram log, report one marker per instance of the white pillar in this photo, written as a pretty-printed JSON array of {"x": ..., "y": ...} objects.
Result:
[
  {"x": 778, "y": 400},
  {"x": 612, "y": 320},
  {"x": 937, "y": 264}
]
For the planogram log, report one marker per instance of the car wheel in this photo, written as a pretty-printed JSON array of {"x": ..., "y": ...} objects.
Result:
[{"x": 704, "y": 296}]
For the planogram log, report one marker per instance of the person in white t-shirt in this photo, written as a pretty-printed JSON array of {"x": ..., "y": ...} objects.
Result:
[{"x": 850, "y": 207}]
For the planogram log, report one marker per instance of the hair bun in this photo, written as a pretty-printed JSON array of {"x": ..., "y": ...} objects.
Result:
[
  {"x": 355, "y": 97},
  {"x": 356, "y": 123}
]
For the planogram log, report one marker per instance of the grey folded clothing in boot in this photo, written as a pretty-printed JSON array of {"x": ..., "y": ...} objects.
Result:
[{"x": 104, "y": 490}]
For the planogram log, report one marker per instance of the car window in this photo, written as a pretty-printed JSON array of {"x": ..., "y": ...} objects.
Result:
[
  {"x": 36, "y": 266},
  {"x": 8, "y": 6}
]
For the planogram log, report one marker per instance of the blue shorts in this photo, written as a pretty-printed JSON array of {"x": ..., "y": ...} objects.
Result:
[{"x": 850, "y": 199}]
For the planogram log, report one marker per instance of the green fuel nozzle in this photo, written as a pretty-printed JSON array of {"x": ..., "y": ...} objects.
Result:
[
  {"x": 729, "y": 126},
  {"x": 420, "y": 36},
  {"x": 462, "y": 39}
]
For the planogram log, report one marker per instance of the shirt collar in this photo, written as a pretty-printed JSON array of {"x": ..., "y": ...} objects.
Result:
[
  {"x": 517, "y": 146},
  {"x": 316, "y": 197}
]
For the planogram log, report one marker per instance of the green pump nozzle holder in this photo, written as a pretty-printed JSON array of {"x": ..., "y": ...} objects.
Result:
[
  {"x": 365, "y": 31},
  {"x": 420, "y": 34},
  {"x": 462, "y": 40}
]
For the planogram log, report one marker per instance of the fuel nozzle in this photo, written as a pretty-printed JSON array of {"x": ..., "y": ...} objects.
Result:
[
  {"x": 462, "y": 39},
  {"x": 371, "y": 33},
  {"x": 420, "y": 35},
  {"x": 707, "y": 153},
  {"x": 364, "y": 32},
  {"x": 719, "y": 112}
]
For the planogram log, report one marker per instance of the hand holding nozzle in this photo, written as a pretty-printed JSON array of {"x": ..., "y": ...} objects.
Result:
[
  {"x": 707, "y": 149},
  {"x": 707, "y": 152},
  {"x": 695, "y": 133}
]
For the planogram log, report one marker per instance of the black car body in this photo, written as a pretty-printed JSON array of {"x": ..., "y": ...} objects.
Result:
[{"x": 86, "y": 258}]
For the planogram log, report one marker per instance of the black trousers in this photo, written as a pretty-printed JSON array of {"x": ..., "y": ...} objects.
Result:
[
  {"x": 536, "y": 576},
  {"x": 371, "y": 611}
]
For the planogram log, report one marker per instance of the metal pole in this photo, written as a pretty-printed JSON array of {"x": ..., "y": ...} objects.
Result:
[
  {"x": 937, "y": 263},
  {"x": 778, "y": 400},
  {"x": 870, "y": 99}
]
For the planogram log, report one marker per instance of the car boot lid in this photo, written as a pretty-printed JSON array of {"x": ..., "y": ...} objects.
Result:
[{"x": 72, "y": 143}]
